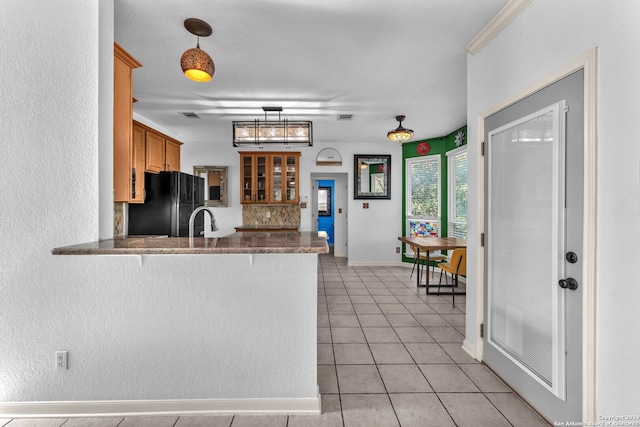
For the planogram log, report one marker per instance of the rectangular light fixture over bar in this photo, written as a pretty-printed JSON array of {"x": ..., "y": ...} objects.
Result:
[{"x": 272, "y": 132}]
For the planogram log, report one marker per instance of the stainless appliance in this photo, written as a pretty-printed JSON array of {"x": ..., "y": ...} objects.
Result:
[{"x": 170, "y": 198}]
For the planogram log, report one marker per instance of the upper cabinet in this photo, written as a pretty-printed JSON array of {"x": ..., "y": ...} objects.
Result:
[
  {"x": 269, "y": 178},
  {"x": 126, "y": 177},
  {"x": 284, "y": 175},
  {"x": 253, "y": 176},
  {"x": 162, "y": 151}
]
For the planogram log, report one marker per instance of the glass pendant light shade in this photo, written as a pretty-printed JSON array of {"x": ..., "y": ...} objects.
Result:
[
  {"x": 400, "y": 134},
  {"x": 197, "y": 65}
]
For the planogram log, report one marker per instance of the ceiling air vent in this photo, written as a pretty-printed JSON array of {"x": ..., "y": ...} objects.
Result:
[
  {"x": 190, "y": 115},
  {"x": 345, "y": 117}
]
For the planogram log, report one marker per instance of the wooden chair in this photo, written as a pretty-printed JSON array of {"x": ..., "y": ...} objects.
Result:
[{"x": 457, "y": 266}]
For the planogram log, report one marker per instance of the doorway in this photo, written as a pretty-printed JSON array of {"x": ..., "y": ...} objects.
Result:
[
  {"x": 334, "y": 220},
  {"x": 326, "y": 219}
]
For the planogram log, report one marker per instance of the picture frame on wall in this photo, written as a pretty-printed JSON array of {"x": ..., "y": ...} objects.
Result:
[{"x": 372, "y": 176}]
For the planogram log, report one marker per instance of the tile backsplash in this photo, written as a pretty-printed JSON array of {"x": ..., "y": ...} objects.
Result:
[
  {"x": 118, "y": 220},
  {"x": 271, "y": 215}
]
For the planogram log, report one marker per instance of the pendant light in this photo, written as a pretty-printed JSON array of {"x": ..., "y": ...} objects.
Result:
[
  {"x": 400, "y": 134},
  {"x": 196, "y": 64}
]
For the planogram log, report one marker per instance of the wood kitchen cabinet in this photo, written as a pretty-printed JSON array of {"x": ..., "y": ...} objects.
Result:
[
  {"x": 284, "y": 178},
  {"x": 172, "y": 154},
  {"x": 125, "y": 186},
  {"x": 269, "y": 178},
  {"x": 162, "y": 153},
  {"x": 253, "y": 176},
  {"x": 138, "y": 161}
]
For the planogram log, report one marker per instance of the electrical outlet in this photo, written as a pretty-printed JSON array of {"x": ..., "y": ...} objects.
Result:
[
  {"x": 397, "y": 249},
  {"x": 61, "y": 361}
]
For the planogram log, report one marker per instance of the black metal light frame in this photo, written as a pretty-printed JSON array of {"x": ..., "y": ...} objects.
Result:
[{"x": 287, "y": 127}]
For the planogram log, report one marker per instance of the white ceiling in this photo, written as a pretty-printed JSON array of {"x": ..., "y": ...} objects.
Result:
[{"x": 374, "y": 59}]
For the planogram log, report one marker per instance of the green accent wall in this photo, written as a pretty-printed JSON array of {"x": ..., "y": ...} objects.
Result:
[{"x": 440, "y": 145}]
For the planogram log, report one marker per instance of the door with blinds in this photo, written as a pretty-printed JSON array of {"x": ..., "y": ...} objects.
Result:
[{"x": 533, "y": 300}]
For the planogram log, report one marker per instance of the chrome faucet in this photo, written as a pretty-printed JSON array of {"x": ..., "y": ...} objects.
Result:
[{"x": 214, "y": 225}]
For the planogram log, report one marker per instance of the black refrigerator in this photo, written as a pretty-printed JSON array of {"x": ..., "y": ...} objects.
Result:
[{"x": 170, "y": 198}]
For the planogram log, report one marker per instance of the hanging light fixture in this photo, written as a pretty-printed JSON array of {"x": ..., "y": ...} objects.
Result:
[
  {"x": 271, "y": 132},
  {"x": 196, "y": 64},
  {"x": 400, "y": 134}
]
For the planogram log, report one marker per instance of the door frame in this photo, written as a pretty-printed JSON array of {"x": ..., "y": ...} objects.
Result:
[
  {"x": 341, "y": 201},
  {"x": 587, "y": 62}
]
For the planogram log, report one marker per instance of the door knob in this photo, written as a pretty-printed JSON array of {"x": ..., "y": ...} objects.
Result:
[{"x": 568, "y": 283}]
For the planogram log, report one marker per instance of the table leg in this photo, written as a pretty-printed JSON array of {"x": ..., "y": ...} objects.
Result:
[
  {"x": 427, "y": 266},
  {"x": 418, "y": 262}
]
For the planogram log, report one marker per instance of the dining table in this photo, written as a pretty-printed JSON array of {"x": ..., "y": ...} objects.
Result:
[{"x": 429, "y": 244}]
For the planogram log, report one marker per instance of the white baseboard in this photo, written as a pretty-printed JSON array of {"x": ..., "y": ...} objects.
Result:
[
  {"x": 471, "y": 350},
  {"x": 109, "y": 408},
  {"x": 376, "y": 264}
]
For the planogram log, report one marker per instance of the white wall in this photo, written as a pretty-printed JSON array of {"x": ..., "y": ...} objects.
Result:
[
  {"x": 546, "y": 36},
  {"x": 372, "y": 233},
  {"x": 132, "y": 332}
]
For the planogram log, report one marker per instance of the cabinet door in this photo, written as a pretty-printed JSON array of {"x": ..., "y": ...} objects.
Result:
[
  {"x": 247, "y": 178},
  {"x": 254, "y": 178},
  {"x": 138, "y": 161},
  {"x": 122, "y": 112},
  {"x": 262, "y": 178},
  {"x": 291, "y": 178},
  {"x": 277, "y": 174},
  {"x": 155, "y": 152},
  {"x": 172, "y": 155}
]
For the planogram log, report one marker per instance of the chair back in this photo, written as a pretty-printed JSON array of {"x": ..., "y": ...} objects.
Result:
[{"x": 459, "y": 261}]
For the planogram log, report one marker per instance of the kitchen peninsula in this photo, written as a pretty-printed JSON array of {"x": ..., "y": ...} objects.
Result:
[
  {"x": 280, "y": 241},
  {"x": 230, "y": 322}
]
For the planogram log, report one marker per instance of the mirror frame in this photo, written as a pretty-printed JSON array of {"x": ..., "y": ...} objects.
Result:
[
  {"x": 328, "y": 211},
  {"x": 224, "y": 184},
  {"x": 364, "y": 159}
]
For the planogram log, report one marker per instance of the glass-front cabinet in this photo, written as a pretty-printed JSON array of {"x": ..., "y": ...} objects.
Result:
[
  {"x": 254, "y": 178},
  {"x": 270, "y": 177}
]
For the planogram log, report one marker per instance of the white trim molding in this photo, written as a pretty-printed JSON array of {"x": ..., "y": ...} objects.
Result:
[
  {"x": 588, "y": 63},
  {"x": 497, "y": 24},
  {"x": 110, "y": 408},
  {"x": 471, "y": 350}
]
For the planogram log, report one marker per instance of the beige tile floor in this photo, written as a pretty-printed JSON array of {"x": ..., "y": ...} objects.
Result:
[{"x": 388, "y": 355}]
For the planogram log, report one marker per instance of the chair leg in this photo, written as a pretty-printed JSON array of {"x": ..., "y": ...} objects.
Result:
[{"x": 414, "y": 266}]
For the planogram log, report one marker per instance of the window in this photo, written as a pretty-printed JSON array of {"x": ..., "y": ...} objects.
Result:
[
  {"x": 423, "y": 187},
  {"x": 457, "y": 200}
]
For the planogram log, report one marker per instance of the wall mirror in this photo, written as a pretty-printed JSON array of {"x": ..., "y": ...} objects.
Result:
[
  {"x": 215, "y": 184},
  {"x": 324, "y": 201},
  {"x": 372, "y": 176}
]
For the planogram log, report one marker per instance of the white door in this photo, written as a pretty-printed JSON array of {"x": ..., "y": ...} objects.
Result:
[{"x": 533, "y": 309}]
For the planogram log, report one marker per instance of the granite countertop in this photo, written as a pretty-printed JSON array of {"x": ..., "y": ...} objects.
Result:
[
  {"x": 267, "y": 227},
  {"x": 286, "y": 242}
]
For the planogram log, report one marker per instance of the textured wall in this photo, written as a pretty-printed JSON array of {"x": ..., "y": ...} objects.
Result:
[
  {"x": 546, "y": 36},
  {"x": 177, "y": 327}
]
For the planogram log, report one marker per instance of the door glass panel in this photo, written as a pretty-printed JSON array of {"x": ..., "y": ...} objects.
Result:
[
  {"x": 277, "y": 179},
  {"x": 261, "y": 178},
  {"x": 291, "y": 178},
  {"x": 247, "y": 178},
  {"x": 526, "y": 244}
]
